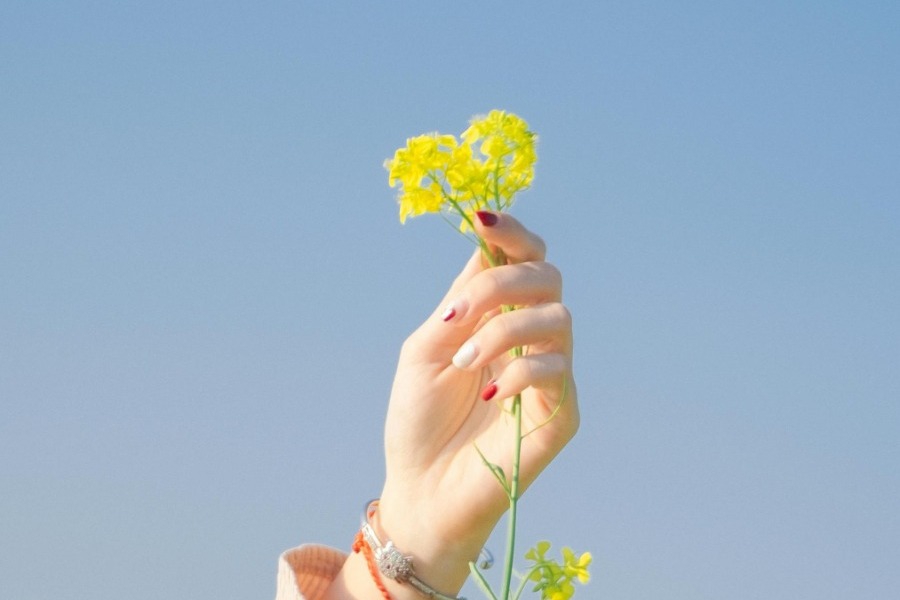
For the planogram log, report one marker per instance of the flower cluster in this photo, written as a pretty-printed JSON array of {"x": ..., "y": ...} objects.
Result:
[
  {"x": 482, "y": 170},
  {"x": 554, "y": 580}
]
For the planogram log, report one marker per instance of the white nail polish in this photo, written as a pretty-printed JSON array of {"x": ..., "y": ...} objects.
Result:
[{"x": 465, "y": 355}]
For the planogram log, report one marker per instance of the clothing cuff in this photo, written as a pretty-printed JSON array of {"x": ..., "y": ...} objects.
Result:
[{"x": 305, "y": 572}]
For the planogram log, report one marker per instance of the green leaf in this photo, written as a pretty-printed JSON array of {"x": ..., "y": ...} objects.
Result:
[
  {"x": 481, "y": 581},
  {"x": 497, "y": 470}
]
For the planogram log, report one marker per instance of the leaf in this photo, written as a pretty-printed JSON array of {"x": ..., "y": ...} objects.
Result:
[
  {"x": 481, "y": 581},
  {"x": 497, "y": 470}
]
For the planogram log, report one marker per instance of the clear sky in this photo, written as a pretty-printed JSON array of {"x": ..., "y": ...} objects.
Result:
[{"x": 204, "y": 284}]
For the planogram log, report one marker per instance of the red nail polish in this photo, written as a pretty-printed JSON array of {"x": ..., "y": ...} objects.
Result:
[
  {"x": 488, "y": 219},
  {"x": 448, "y": 314},
  {"x": 489, "y": 391}
]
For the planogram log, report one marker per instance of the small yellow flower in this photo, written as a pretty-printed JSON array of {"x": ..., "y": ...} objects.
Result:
[
  {"x": 537, "y": 553},
  {"x": 417, "y": 201},
  {"x": 554, "y": 580},
  {"x": 560, "y": 591},
  {"x": 577, "y": 567}
]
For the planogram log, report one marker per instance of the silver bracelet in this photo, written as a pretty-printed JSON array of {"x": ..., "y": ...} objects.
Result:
[{"x": 394, "y": 564}]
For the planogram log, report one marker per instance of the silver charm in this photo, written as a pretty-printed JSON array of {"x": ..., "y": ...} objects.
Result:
[{"x": 392, "y": 563}]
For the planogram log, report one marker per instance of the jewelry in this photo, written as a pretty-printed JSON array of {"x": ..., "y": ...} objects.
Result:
[{"x": 399, "y": 567}]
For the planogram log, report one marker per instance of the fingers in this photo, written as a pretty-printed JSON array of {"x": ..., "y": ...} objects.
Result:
[
  {"x": 480, "y": 291},
  {"x": 546, "y": 331},
  {"x": 555, "y": 403},
  {"x": 511, "y": 285},
  {"x": 544, "y": 328},
  {"x": 499, "y": 230},
  {"x": 544, "y": 371},
  {"x": 503, "y": 232}
]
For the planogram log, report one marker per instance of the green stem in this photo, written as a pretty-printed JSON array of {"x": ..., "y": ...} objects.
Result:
[
  {"x": 513, "y": 497},
  {"x": 525, "y": 578},
  {"x": 497, "y": 184},
  {"x": 492, "y": 260},
  {"x": 513, "y": 491}
]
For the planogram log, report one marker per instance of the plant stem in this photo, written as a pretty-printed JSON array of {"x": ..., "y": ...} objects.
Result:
[
  {"x": 525, "y": 578},
  {"x": 512, "y": 491},
  {"x": 513, "y": 497}
]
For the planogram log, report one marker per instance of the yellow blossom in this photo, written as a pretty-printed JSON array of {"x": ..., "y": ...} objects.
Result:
[
  {"x": 417, "y": 201},
  {"x": 554, "y": 580},
  {"x": 484, "y": 171},
  {"x": 537, "y": 553},
  {"x": 561, "y": 591},
  {"x": 577, "y": 567}
]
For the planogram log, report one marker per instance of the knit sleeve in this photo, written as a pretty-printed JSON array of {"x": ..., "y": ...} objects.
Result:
[{"x": 305, "y": 572}]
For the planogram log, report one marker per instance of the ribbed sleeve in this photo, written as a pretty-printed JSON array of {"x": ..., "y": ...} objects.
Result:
[{"x": 305, "y": 572}]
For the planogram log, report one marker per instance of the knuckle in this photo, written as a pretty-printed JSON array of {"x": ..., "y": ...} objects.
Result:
[
  {"x": 521, "y": 370},
  {"x": 562, "y": 315},
  {"x": 500, "y": 328},
  {"x": 553, "y": 276},
  {"x": 488, "y": 283},
  {"x": 562, "y": 364},
  {"x": 412, "y": 344}
]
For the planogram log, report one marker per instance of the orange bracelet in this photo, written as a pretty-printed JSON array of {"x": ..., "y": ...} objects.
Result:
[{"x": 360, "y": 545}]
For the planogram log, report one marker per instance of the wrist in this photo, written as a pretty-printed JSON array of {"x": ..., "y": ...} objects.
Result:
[{"x": 440, "y": 552}]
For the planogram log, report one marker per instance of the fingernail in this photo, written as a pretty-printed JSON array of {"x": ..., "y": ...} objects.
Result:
[
  {"x": 465, "y": 356},
  {"x": 454, "y": 310},
  {"x": 488, "y": 219},
  {"x": 489, "y": 391}
]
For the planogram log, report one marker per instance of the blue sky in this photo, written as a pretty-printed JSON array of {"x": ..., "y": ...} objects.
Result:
[{"x": 204, "y": 285}]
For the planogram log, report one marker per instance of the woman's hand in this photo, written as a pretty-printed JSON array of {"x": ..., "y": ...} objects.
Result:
[{"x": 454, "y": 385}]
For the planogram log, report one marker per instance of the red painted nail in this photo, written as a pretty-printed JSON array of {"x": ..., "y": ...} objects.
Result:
[
  {"x": 448, "y": 314},
  {"x": 489, "y": 391},
  {"x": 488, "y": 219}
]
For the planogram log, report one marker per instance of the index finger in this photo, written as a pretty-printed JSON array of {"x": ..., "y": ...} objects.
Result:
[{"x": 504, "y": 232}]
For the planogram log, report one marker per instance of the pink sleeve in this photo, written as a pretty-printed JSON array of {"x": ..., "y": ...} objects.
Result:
[{"x": 305, "y": 572}]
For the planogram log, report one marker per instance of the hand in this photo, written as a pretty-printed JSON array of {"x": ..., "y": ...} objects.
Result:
[{"x": 440, "y": 502}]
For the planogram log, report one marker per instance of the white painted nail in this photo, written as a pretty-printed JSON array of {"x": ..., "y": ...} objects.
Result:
[{"x": 465, "y": 355}]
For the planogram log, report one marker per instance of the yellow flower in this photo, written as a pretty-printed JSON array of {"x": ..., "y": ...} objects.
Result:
[
  {"x": 554, "y": 580},
  {"x": 560, "y": 591},
  {"x": 577, "y": 567},
  {"x": 466, "y": 174},
  {"x": 537, "y": 553},
  {"x": 484, "y": 171},
  {"x": 417, "y": 201},
  {"x": 495, "y": 147},
  {"x": 509, "y": 150}
]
